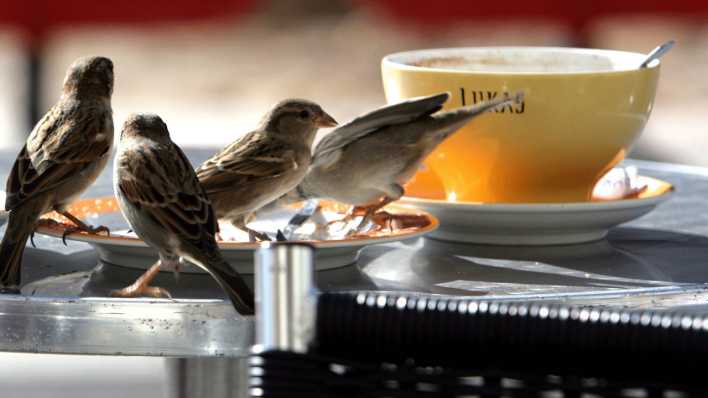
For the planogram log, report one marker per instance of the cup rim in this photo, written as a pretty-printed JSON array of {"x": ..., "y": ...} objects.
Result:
[{"x": 395, "y": 60}]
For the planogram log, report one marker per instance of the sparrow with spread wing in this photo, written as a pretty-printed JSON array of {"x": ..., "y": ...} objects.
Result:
[
  {"x": 159, "y": 194},
  {"x": 264, "y": 164},
  {"x": 366, "y": 162},
  {"x": 63, "y": 155}
]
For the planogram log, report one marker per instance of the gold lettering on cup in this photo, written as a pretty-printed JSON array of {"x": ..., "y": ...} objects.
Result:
[{"x": 474, "y": 97}]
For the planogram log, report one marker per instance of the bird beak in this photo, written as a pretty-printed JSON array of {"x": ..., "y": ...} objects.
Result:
[{"x": 325, "y": 120}]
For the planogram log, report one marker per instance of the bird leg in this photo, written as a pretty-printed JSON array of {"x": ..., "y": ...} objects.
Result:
[
  {"x": 354, "y": 211},
  {"x": 385, "y": 219},
  {"x": 253, "y": 235},
  {"x": 371, "y": 210},
  {"x": 366, "y": 212},
  {"x": 393, "y": 193},
  {"x": 141, "y": 287},
  {"x": 80, "y": 226}
]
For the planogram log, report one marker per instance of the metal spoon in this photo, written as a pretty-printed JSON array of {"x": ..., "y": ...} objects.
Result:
[{"x": 657, "y": 53}]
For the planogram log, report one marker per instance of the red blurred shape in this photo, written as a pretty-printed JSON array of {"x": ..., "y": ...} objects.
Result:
[
  {"x": 36, "y": 17},
  {"x": 574, "y": 13}
]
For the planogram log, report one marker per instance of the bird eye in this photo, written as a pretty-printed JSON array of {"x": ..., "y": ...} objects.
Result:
[{"x": 304, "y": 115}]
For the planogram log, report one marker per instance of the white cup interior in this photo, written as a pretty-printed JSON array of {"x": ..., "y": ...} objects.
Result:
[{"x": 534, "y": 60}]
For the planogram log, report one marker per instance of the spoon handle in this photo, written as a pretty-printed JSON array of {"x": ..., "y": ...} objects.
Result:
[{"x": 657, "y": 53}]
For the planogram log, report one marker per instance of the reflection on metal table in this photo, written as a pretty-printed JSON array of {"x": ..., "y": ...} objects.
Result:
[{"x": 655, "y": 262}]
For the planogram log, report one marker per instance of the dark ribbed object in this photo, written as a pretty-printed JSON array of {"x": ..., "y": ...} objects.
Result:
[{"x": 378, "y": 345}]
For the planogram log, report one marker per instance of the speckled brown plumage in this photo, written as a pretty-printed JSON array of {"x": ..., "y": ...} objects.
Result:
[
  {"x": 159, "y": 194},
  {"x": 265, "y": 163},
  {"x": 65, "y": 152}
]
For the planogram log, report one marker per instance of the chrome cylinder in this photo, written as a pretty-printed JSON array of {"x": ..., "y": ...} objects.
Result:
[
  {"x": 206, "y": 377},
  {"x": 285, "y": 296}
]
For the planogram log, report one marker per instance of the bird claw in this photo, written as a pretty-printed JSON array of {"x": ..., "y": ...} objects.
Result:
[
  {"x": 385, "y": 219},
  {"x": 255, "y": 236},
  {"x": 66, "y": 232},
  {"x": 382, "y": 219},
  {"x": 349, "y": 217},
  {"x": 344, "y": 221},
  {"x": 280, "y": 237},
  {"x": 32, "y": 240},
  {"x": 141, "y": 291},
  {"x": 90, "y": 230},
  {"x": 99, "y": 229}
]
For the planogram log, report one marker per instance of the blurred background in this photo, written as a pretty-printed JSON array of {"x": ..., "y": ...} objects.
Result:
[{"x": 211, "y": 68}]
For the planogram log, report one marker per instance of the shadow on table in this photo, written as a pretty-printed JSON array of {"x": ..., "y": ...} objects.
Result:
[
  {"x": 107, "y": 277},
  {"x": 628, "y": 258},
  {"x": 82, "y": 274},
  {"x": 50, "y": 273}
]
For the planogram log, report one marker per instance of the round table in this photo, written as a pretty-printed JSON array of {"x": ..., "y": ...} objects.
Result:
[{"x": 655, "y": 262}]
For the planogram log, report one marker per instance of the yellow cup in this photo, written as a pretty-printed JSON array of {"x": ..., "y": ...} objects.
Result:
[{"x": 581, "y": 112}]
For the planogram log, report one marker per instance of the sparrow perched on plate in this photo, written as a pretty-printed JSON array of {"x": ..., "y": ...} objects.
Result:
[
  {"x": 160, "y": 196},
  {"x": 63, "y": 155},
  {"x": 264, "y": 164},
  {"x": 366, "y": 162}
]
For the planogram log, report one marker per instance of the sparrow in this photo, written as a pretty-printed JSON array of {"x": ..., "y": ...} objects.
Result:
[
  {"x": 264, "y": 164},
  {"x": 160, "y": 196},
  {"x": 63, "y": 155},
  {"x": 366, "y": 162}
]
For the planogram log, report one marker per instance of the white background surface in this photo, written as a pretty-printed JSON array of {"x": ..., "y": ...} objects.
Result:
[{"x": 44, "y": 376}]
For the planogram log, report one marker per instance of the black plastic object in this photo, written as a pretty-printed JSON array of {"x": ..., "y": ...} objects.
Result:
[{"x": 377, "y": 345}]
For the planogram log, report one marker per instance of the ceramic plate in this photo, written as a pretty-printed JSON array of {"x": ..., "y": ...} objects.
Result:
[
  {"x": 539, "y": 224},
  {"x": 125, "y": 249}
]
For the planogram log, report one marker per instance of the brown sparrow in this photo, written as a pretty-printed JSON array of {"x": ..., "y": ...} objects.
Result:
[
  {"x": 264, "y": 164},
  {"x": 63, "y": 155},
  {"x": 366, "y": 162},
  {"x": 160, "y": 196}
]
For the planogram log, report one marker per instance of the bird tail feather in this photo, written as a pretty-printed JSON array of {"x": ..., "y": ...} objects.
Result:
[
  {"x": 456, "y": 119},
  {"x": 20, "y": 225},
  {"x": 229, "y": 280}
]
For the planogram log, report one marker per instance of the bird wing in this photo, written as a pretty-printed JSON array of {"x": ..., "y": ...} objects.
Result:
[
  {"x": 159, "y": 180},
  {"x": 66, "y": 141},
  {"x": 247, "y": 161},
  {"x": 330, "y": 147}
]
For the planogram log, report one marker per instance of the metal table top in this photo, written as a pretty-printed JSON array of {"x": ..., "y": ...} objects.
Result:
[{"x": 657, "y": 262}]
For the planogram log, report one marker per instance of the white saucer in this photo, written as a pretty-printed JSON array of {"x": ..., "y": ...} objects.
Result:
[
  {"x": 538, "y": 224},
  {"x": 123, "y": 248}
]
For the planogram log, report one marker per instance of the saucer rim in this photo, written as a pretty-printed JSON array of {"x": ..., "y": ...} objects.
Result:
[
  {"x": 561, "y": 206},
  {"x": 125, "y": 241}
]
